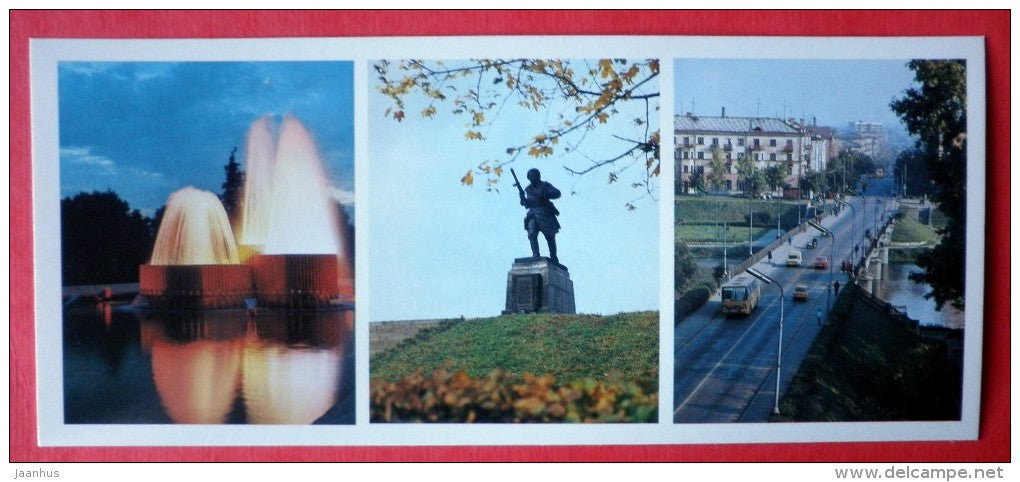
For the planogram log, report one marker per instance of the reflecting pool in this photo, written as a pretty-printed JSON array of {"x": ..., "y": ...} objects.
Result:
[{"x": 123, "y": 366}]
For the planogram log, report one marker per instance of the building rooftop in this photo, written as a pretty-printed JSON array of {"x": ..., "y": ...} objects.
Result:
[{"x": 735, "y": 125}]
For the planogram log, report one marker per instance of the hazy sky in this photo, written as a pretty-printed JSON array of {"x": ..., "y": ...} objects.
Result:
[
  {"x": 438, "y": 249},
  {"x": 146, "y": 129},
  {"x": 835, "y": 91}
]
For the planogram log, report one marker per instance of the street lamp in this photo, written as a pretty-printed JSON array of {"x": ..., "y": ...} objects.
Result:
[
  {"x": 750, "y": 227},
  {"x": 832, "y": 248},
  {"x": 853, "y": 223},
  {"x": 725, "y": 244},
  {"x": 779, "y": 352}
]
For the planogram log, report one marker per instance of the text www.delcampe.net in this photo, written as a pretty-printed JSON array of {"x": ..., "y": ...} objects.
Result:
[{"x": 921, "y": 473}]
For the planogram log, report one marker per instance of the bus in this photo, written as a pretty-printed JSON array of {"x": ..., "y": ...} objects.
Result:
[{"x": 740, "y": 295}]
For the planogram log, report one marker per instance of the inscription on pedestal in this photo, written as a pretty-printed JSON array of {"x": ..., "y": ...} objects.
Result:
[{"x": 539, "y": 285}]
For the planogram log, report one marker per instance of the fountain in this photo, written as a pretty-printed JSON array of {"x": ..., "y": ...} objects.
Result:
[
  {"x": 194, "y": 263},
  {"x": 291, "y": 252}
]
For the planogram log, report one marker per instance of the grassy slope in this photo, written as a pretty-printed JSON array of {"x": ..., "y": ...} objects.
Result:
[
  {"x": 863, "y": 367},
  {"x": 713, "y": 209},
  {"x": 616, "y": 348},
  {"x": 908, "y": 230}
]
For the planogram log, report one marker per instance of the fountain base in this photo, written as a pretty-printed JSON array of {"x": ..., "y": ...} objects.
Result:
[
  {"x": 296, "y": 280},
  {"x": 195, "y": 286}
]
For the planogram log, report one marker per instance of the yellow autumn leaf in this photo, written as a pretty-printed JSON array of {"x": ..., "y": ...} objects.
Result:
[
  {"x": 428, "y": 111},
  {"x": 606, "y": 68},
  {"x": 603, "y": 117},
  {"x": 478, "y": 118},
  {"x": 468, "y": 179}
]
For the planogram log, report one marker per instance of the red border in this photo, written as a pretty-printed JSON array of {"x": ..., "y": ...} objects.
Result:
[{"x": 993, "y": 445}]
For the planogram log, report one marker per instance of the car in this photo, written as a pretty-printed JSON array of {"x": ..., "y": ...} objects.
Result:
[
  {"x": 822, "y": 262},
  {"x": 793, "y": 258},
  {"x": 800, "y": 293}
]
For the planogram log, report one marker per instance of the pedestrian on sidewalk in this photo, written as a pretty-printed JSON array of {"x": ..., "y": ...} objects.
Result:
[
  {"x": 835, "y": 285},
  {"x": 818, "y": 315},
  {"x": 770, "y": 256}
]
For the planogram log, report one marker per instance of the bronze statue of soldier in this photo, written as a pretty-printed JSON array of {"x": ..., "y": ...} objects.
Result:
[{"x": 541, "y": 216}]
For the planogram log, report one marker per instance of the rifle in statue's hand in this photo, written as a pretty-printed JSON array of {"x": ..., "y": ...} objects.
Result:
[{"x": 520, "y": 190}]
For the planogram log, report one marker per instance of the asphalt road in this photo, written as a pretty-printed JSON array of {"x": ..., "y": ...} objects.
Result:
[{"x": 725, "y": 368}]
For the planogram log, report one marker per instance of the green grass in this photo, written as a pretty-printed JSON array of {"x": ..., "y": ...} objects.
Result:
[
  {"x": 695, "y": 233},
  {"x": 908, "y": 230},
  {"x": 715, "y": 209},
  {"x": 616, "y": 348},
  {"x": 863, "y": 366}
]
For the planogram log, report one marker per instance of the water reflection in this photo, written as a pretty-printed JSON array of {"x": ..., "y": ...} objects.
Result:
[
  {"x": 208, "y": 367},
  {"x": 897, "y": 289}
]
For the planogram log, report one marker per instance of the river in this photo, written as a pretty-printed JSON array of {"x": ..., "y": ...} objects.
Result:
[{"x": 901, "y": 292}]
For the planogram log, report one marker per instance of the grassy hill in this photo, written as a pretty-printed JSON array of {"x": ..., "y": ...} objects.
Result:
[
  {"x": 713, "y": 209},
  {"x": 527, "y": 368},
  {"x": 698, "y": 218},
  {"x": 616, "y": 348},
  {"x": 867, "y": 366},
  {"x": 909, "y": 230}
]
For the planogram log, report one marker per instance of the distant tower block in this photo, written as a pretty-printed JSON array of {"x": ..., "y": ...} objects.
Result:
[
  {"x": 539, "y": 285},
  {"x": 296, "y": 280}
]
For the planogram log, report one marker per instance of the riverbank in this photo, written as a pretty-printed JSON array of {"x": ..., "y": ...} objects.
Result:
[{"x": 870, "y": 363}]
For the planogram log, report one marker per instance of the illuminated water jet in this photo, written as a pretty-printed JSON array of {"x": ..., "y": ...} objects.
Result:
[
  {"x": 194, "y": 231},
  {"x": 303, "y": 216},
  {"x": 292, "y": 248},
  {"x": 260, "y": 162}
]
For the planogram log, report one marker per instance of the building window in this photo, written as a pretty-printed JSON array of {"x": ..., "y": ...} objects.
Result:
[
  {"x": 740, "y": 141},
  {"x": 715, "y": 142},
  {"x": 772, "y": 157},
  {"x": 740, "y": 155},
  {"x": 789, "y": 157},
  {"x": 789, "y": 143},
  {"x": 687, "y": 141},
  {"x": 701, "y": 155},
  {"x": 772, "y": 143},
  {"x": 701, "y": 141},
  {"x": 729, "y": 185},
  {"x": 685, "y": 169},
  {"x": 729, "y": 156},
  {"x": 757, "y": 143}
]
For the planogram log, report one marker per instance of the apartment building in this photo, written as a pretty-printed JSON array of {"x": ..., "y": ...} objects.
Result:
[{"x": 768, "y": 141}]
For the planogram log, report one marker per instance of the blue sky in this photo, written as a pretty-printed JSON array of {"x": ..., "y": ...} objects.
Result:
[
  {"x": 440, "y": 249},
  {"x": 835, "y": 91},
  {"x": 147, "y": 129}
]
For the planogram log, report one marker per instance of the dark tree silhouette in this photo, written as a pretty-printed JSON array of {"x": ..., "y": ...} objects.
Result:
[
  {"x": 936, "y": 113},
  {"x": 233, "y": 186},
  {"x": 103, "y": 239}
]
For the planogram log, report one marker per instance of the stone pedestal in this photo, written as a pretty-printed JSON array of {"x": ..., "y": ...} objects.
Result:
[{"x": 538, "y": 285}]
